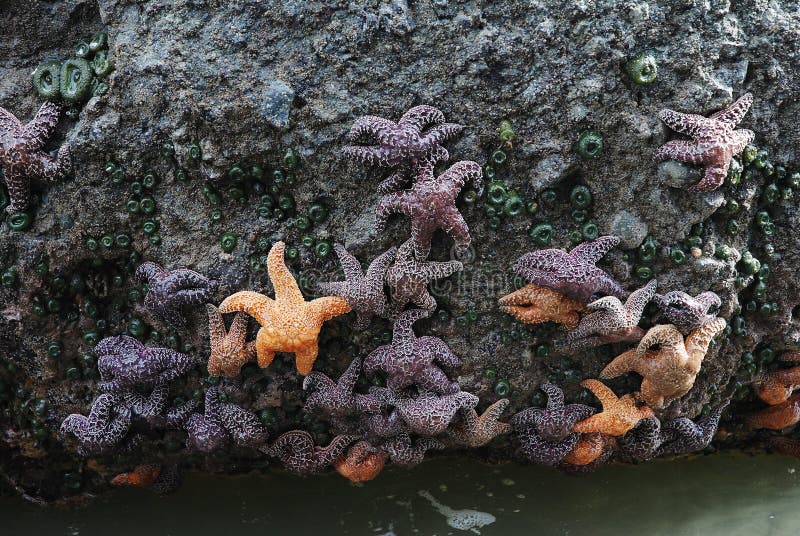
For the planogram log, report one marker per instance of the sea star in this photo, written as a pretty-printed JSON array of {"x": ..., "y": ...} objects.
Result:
[
  {"x": 475, "y": 430},
  {"x": 404, "y": 452},
  {"x": 229, "y": 351},
  {"x": 288, "y": 323},
  {"x": 142, "y": 476},
  {"x": 641, "y": 442},
  {"x": 545, "y": 435},
  {"x": 125, "y": 363},
  {"x": 408, "y": 279},
  {"x": 589, "y": 448},
  {"x": 336, "y": 400},
  {"x": 108, "y": 422},
  {"x": 429, "y": 414},
  {"x": 785, "y": 445},
  {"x": 714, "y": 141},
  {"x": 382, "y": 425},
  {"x": 21, "y": 154},
  {"x": 171, "y": 290},
  {"x": 418, "y": 135},
  {"x": 364, "y": 293},
  {"x": 778, "y": 385},
  {"x": 779, "y": 416},
  {"x": 430, "y": 204},
  {"x": 152, "y": 409},
  {"x": 682, "y": 436},
  {"x": 534, "y": 305},
  {"x": 362, "y": 463},
  {"x": 572, "y": 274},
  {"x": 221, "y": 422},
  {"x": 687, "y": 313},
  {"x": 610, "y": 321},
  {"x": 618, "y": 416},
  {"x": 669, "y": 371},
  {"x": 299, "y": 455},
  {"x": 411, "y": 360}
]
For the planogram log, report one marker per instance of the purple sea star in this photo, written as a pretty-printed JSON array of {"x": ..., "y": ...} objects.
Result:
[
  {"x": 683, "y": 436},
  {"x": 417, "y": 136},
  {"x": 430, "y": 204},
  {"x": 404, "y": 452},
  {"x": 363, "y": 293},
  {"x": 408, "y": 279},
  {"x": 125, "y": 363},
  {"x": 411, "y": 360},
  {"x": 222, "y": 422},
  {"x": 545, "y": 435},
  {"x": 610, "y": 321},
  {"x": 475, "y": 431},
  {"x": 641, "y": 443},
  {"x": 21, "y": 154},
  {"x": 299, "y": 454},
  {"x": 337, "y": 400},
  {"x": 429, "y": 414},
  {"x": 572, "y": 274},
  {"x": 171, "y": 290},
  {"x": 714, "y": 141},
  {"x": 688, "y": 313},
  {"x": 107, "y": 424},
  {"x": 152, "y": 409}
]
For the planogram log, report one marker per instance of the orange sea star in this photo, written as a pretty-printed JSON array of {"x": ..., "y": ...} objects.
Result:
[
  {"x": 288, "y": 322},
  {"x": 618, "y": 416},
  {"x": 777, "y": 417},
  {"x": 229, "y": 351},
  {"x": 533, "y": 304},
  {"x": 362, "y": 463},
  {"x": 589, "y": 448},
  {"x": 778, "y": 385}
]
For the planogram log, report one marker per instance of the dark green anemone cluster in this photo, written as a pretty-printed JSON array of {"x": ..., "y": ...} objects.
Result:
[{"x": 75, "y": 79}]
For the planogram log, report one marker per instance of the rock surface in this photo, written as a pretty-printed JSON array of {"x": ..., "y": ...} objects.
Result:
[{"x": 246, "y": 80}]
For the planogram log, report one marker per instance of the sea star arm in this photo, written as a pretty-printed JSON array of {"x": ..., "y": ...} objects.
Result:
[
  {"x": 350, "y": 265},
  {"x": 602, "y": 392},
  {"x": 713, "y": 177},
  {"x": 389, "y": 204},
  {"x": 371, "y": 125},
  {"x": 286, "y": 288},
  {"x": 374, "y": 156},
  {"x": 439, "y": 270},
  {"x": 689, "y": 124},
  {"x": 347, "y": 381},
  {"x": 681, "y": 150},
  {"x": 460, "y": 173},
  {"x": 305, "y": 358},
  {"x": 36, "y": 132},
  {"x": 376, "y": 272},
  {"x": 328, "y": 307},
  {"x": 256, "y": 305},
  {"x": 627, "y": 362},
  {"x": 453, "y": 224},
  {"x": 735, "y": 112},
  {"x": 441, "y": 353},
  {"x": 9, "y": 124},
  {"x": 393, "y": 182},
  {"x": 592, "y": 252},
  {"x": 697, "y": 341},
  {"x": 421, "y": 117},
  {"x": 378, "y": 359},
  {"x": 19, "y": 190},
  {"x": 638, "y": 300}
]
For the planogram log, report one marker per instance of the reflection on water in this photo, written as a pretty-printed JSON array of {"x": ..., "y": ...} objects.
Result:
[{"x": 725, "y": 494}]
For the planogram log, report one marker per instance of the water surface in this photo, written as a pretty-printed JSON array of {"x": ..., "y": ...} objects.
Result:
[{"x": 728, "y": 494}]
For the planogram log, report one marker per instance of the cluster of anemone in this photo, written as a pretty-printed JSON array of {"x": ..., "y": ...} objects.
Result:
[{"x": 569, "y": 288}]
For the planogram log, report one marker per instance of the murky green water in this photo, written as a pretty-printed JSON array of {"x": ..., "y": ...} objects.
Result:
[{"x": 721, "y": 494}]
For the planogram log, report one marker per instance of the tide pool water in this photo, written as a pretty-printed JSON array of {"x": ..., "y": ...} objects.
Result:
[{"x": 725, "y": 494}]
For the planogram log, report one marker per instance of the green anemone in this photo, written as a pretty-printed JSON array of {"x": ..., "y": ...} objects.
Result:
[
  {"x": 75, "y": 80},
  {"x": 46, "y": 79}
]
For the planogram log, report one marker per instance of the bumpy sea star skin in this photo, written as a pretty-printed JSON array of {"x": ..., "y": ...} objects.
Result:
[
  {"x": 362, "y": 463},
  {"x": 171, "y": 290},
  {"x": 545, "y": 435},
  {"x": 682, "y": 436},
  {"x": 336, "y": 400},
  {"x": 151, "y": 409},
  {"x": 572, "y": 274},
  {"x": 125, "y": 363},
  {"x": 588, "y": 449},
  {"x": 417, "y": 136},
  {"x": 669, "y": 371},
  {"x": 714, "y": 141},
  {"x": 21, "y": 155},
  {"x": 429, "y": 414},
  {"x": 288, "y": 323},
  {"x": 642, "y": 441},
  {"x": 475, "y": 430},
  {"x": 777, "y": 417},
  {"x": 619, "y": 415},
  {"x": 229, "y": 351},
  {"x": 610, "y": 321},
  {"x": 408, "y": 279},
  {"x": 404, "y": 452},
  {"x": 430, "y": 204},
  {"x": 296, "y": 450},
  {"x": 411, "y": 360},
  {"x": 220, "y": 422},
  {"x": 363, "y": 292},
  {"x": 107, "y": 424},
  {"x": 534, "y": 305},
  {"x": 777, "y": 386},
  {"x": 688, "y": 313},
  {"x": 385, "y": 424}
]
